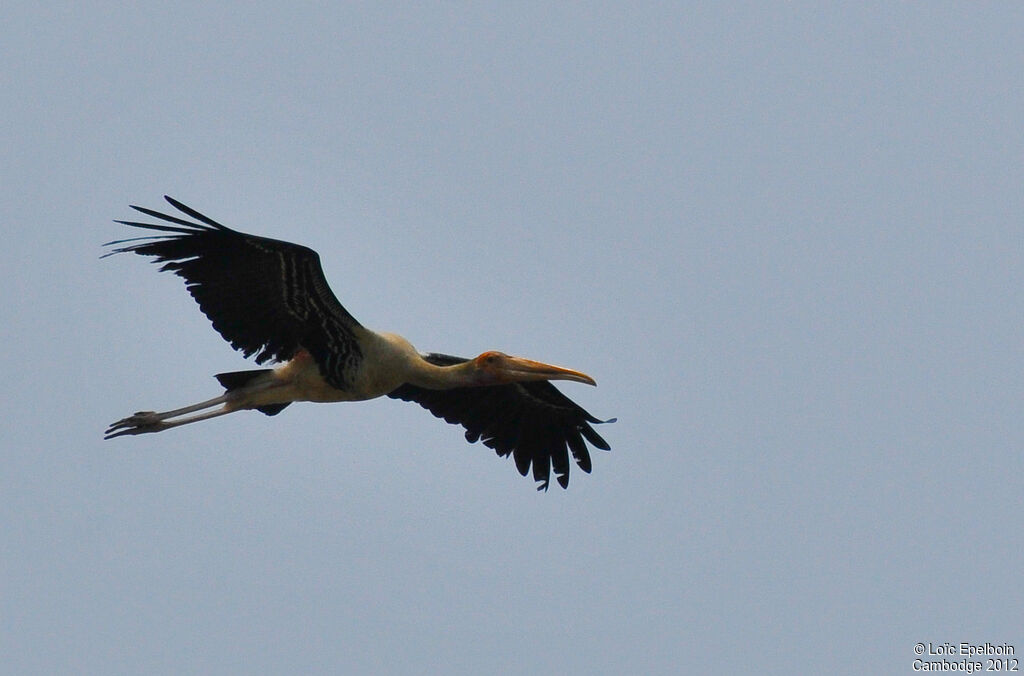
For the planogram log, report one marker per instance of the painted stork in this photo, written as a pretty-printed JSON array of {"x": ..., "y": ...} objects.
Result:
[{"x": 270, "y": 299}]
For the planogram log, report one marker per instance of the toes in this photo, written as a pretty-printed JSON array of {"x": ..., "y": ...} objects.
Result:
[
  {"x": 139, "y": 423},
  {"x": 137, "y": 419},
  {"x": 121, "y": 430}
]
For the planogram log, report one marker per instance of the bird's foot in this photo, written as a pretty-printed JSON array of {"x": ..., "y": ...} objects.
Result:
[{"x": 141, "y": 422}]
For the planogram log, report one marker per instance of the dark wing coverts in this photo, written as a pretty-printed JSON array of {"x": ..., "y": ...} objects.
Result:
[
  {"x": 533, "y": 422},
  {"x": 266, "y": 297}
]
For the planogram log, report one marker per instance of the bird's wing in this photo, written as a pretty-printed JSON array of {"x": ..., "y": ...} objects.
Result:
[
  {"x": 266, "y": 297},
  {"x": 533, "y": 422}
]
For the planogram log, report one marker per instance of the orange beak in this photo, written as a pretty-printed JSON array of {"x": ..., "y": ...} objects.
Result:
[{"x": 517, "y": 369}]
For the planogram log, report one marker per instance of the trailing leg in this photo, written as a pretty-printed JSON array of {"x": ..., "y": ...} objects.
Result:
[
  {"x": 144, "y": 422},
  {"x": 245, "y": 390}
]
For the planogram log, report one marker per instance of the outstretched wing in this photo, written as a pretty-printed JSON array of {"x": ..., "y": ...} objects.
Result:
[
  {"x": 265, "y": 297},
  {"x": 533, "y": 422}
]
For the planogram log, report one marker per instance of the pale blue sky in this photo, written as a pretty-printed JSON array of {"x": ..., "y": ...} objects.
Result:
[{"x": 785, "y": 239}]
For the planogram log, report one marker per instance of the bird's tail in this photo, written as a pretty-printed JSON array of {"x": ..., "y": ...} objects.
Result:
[{"x": 234, "y": 380}]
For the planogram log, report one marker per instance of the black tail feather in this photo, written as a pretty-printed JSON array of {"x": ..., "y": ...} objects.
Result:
[
  {"x": 272, "y": 409},
  {"x": 235, "y": 379}
]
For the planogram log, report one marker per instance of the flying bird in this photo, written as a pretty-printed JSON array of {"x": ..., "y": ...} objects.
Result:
[{"x": 269, "y": 298}]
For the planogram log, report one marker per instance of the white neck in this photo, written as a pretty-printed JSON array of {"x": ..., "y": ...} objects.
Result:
[{"x": 418, "y": 371}]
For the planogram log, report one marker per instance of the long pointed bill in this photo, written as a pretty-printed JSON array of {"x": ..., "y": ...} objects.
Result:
[{"x": 519, "y": 369}]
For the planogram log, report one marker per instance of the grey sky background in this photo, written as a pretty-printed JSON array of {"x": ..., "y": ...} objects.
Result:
[{"x": 784, "y": 238}]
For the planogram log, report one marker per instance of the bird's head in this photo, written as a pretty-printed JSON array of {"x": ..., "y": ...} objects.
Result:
[{"x": 496, "y": 368}]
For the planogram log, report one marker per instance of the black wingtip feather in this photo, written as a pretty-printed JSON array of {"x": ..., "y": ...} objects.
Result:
[
  {"x": 193, "y": 213},
  {"x": 595, "y": 438},
  {"x": 579, "y": 452},
  {"x": 189, "y": 229}
]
